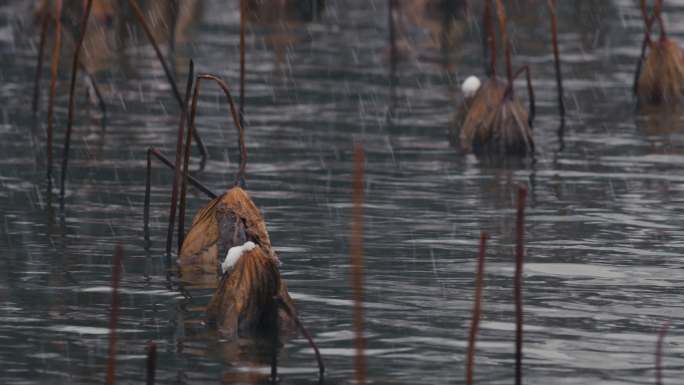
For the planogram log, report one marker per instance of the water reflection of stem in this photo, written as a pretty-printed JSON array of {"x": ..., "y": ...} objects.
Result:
[
  {"x": 114, "y": 314},
  {"x": 357, "y": 265},
  {"x": 477, "y": 309},
  {"x": 72, "y": 88},
  {"x": 151, "y": 362},
  {"x": 54, "y": 65},
  {"x": 659, "y": 353},
  {"x": 518, "y": 282}
]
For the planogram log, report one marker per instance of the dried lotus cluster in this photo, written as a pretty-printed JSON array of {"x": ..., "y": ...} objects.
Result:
[
  {"x": 492, "y": 120},
  {"x": 660, "y": 71},
  {"x": 227, "y": 246}
]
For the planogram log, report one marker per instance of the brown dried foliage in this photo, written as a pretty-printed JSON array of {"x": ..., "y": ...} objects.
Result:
[
  {"x": 662, "y": 76},
  {"x": 203, "y": 245},
  {"x": 244, "y": 301},
  {"x": 496, "y": 123}
]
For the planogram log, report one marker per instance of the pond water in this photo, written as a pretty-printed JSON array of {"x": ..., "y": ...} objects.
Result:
[{"x": 604, "y": 265}]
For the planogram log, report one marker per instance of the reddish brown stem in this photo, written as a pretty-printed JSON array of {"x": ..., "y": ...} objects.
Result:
[
  {"x": 659, "y": 352},
  {"x": 41, "y": 53},
  {"x": 518, "y": 281},
  {"x": 658, "y": 13},
  {"x": 72, "y": 88},
  {"x": 242, "y": 61},
  {"x": 239, "y": 178},
  {"x": 151, "y": 362},
  {"x": 501, "y": 12},
  {"x": 114, "y": 314},
  {"x": 357, "y": 264},
  {"x": 148, "y": 181},
  {"x": 477, "y": 308},
  {"x": 186, "y": 166},
  {"x": 54, "y": 65},
  {"x": 490, "y": 37},
  {"x": 179, "y": 157},
  {"x": 530, "y": 91},
  {"x": 556, "y": 56},
  {"x": 644, "y": 12},
  {"x": 240, "y": 175}
]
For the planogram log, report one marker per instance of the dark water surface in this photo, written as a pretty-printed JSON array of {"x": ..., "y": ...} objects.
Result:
[{"x": 604, "y": 267}]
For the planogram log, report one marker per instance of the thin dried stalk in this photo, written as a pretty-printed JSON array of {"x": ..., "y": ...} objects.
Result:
[
  {"x": 243, "y": 9},
  {"x": 151, "y": 363},
  {"x": 490, "y": 38},
  {"x": 179, "y": 155},
  {"x": 240, "y": 175},
  {"x": 501, "y": 12},
  {"x": 151, "y": 151},
  {"x": 556, "y": 56},
  {"x": 530, "y": 91}
]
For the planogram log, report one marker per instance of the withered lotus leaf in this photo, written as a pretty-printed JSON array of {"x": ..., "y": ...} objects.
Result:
[
  {"x": 244, "y": 300},
  {"x": 496, "y": 123},
  {"x": 229, "y": 220}
]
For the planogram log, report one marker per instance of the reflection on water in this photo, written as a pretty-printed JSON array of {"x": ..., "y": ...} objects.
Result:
[{"x": 604, "y": 224}]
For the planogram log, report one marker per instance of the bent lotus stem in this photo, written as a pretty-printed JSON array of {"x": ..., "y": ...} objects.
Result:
[
  {"x": 72, "y": 88},
  {"x": 240, "y": 175},
  {"x": 153, "y": 152},
  {"x": 305, "y": 333},
  {"x": 530, "y": 92},
  {"x": 477, "y": 308}
]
